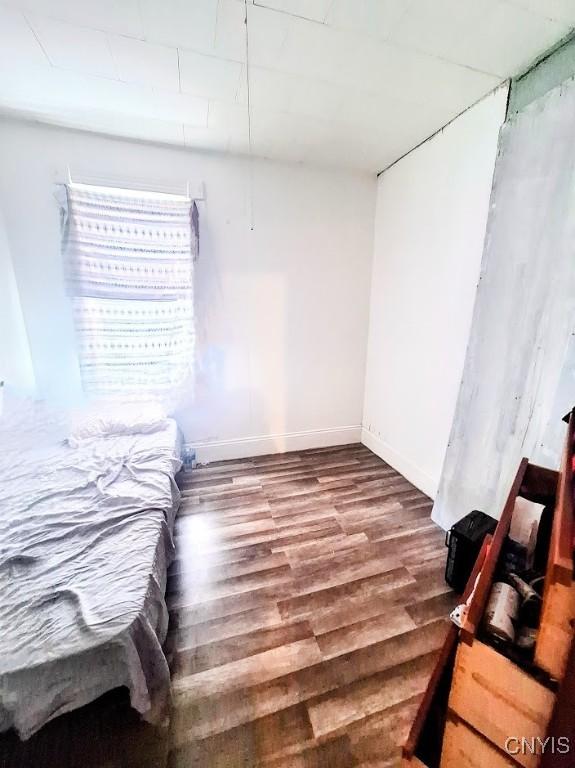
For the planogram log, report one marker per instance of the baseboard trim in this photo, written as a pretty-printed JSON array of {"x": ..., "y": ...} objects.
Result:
[
  {"x": 244, "y": 447},
  {"x": 404, "y": 466}
]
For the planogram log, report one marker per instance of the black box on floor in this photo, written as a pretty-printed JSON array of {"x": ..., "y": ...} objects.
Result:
[{"x": 464, "y": 540}]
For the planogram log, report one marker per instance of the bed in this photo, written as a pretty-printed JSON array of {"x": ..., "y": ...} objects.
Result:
[{"x": 85, "y": 542}]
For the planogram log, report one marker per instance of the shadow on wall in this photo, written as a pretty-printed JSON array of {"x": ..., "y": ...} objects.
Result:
[{"x": 240, "y": 365}]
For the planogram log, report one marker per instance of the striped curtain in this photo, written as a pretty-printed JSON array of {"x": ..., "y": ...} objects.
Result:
[{"x": 129, "y": 260}]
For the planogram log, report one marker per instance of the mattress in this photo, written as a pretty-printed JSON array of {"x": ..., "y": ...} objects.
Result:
[{"x": 85, "y": 541}]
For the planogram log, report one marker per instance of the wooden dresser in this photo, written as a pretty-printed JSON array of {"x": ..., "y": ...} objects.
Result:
[{"x": 477, "y": 698}]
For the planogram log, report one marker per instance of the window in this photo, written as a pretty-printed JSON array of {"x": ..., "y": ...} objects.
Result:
[{"x": 129, "y": 268}]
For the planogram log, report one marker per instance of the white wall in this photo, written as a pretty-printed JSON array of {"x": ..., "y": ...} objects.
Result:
[
  {"x": 15, "y": 360},
  {"x": 430, "y": 223},
  {"x": 519, "y": 373},
  {"x": 282, "y": 310}
]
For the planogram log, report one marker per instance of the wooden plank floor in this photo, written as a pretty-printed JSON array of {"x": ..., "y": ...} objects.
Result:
[{"x": 307, "y": 604}]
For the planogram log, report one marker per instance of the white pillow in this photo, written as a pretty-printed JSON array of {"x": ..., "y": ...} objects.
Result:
[{"x": 117, "y": 419}]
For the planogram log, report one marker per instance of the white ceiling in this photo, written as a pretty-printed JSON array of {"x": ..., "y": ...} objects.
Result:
[{"x": 353, "y": 83}]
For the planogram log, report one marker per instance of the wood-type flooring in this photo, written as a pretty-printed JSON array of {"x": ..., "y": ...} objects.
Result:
[{"x": 307, "y": 605}]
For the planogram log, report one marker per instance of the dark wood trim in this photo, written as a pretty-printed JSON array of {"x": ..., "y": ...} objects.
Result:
[
  {"x": 560, "y": 564},
  {"x": 445, "y": 654},
  {"x": 481, "y": 596}
]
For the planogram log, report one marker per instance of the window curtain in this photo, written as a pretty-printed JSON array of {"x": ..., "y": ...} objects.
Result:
[{"x": 129, "y": 263}]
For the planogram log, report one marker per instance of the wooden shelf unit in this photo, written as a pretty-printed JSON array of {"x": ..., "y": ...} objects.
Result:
[
  {"x": 558, "y": 611},
  {"x": 477, "y": 697}
]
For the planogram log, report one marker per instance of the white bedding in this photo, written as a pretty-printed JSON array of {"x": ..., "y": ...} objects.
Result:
[{"x": 85, "y": 541}]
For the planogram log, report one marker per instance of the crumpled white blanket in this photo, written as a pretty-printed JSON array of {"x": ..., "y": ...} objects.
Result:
[{"x": 85, "y": 541}]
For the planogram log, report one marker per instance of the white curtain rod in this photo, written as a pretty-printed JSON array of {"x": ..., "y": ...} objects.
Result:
[{"x": 186, "y": 188}]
